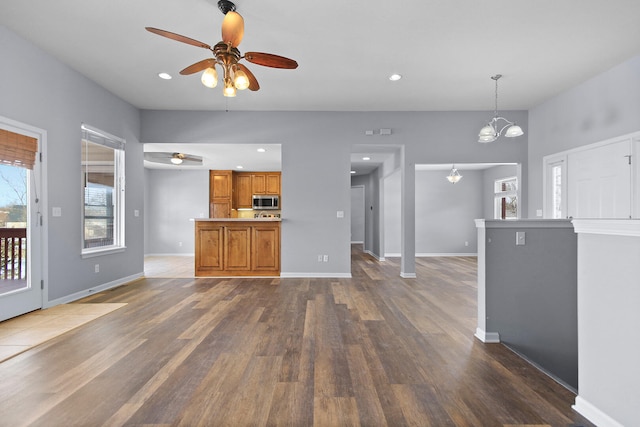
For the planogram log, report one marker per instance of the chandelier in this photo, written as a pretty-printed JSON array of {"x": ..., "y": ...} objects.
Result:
[
  {"x": 497, "y": 125},
  {"x": 454, "y": 176}
]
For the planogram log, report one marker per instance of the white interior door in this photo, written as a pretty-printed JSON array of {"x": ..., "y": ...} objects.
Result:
[
  {"x": 599, "y": 182},
  {"x": 21, "y": 254}
]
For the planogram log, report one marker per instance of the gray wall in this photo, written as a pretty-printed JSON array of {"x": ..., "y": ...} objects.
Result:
[
  {"x": 174, "y": 198},
  {"x": 392, "y": 214},
  {"x": 316, "y": 150},
  {"x": 531, "y": 293},
  {"x": 357, "y": 214},
  {"x": 603, "y": 107},
  {"x": 40, "y": 91},
  {"x": 445, "y": 212}
]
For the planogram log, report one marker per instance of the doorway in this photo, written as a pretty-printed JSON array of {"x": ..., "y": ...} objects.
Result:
[{"x": 21, "y": 248}]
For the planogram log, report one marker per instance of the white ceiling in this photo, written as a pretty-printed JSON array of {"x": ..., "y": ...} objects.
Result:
[
  {"x": 446, "y": 50},
  {"x": 222, "y": 156}
]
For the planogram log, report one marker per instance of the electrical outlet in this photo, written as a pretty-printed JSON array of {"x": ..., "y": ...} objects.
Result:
[
  {"x": 180, "y": 244},
  {"x": 466, "y": 243},
  {"x": 325, "y": 258},
  {"x": 319, "y": 258},
  {"x": 97, "y": 268}
]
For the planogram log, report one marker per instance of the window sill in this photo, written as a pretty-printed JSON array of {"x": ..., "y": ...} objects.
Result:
[{"x": 102, "y": 251}]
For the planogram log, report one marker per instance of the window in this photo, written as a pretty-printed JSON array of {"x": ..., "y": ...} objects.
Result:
[
  {"x": 555, "y": 187},
  {"x": 506, "y": 198},
  {"x": 103, "y": 191}
]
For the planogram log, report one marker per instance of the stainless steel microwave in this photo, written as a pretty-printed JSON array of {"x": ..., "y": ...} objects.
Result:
[{"x": 263, "y": 202}]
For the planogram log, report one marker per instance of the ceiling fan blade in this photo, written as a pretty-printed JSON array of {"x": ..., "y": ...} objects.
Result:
[
  {"x": 232, "y": 28},
  {"x": 253, "y": 82},
  {"x": 270, "y": 60},
  {"x": 190, "y": 158},
  {"x": 198, "y": 66},
  {"x": 178, "y": 37}
]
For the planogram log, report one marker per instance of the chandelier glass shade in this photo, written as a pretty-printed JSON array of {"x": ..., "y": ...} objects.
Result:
[
  {"x": 454, "y": 176},
  {"x": 498, "y": 125}
]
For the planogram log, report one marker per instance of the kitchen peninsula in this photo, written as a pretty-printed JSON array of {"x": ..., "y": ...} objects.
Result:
[
  {"x": 237, "y": 240},
  {"x": 237, "y": 247}
]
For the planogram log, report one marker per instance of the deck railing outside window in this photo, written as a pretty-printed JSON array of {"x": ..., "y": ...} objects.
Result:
[{"x": 13, "y": 253}]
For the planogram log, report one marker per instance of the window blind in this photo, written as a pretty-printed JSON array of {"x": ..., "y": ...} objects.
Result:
[{"x": 17, "y": 150}]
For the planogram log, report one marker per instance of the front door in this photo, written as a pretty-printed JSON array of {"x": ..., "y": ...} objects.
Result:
[{"x": 20, "y": 227}]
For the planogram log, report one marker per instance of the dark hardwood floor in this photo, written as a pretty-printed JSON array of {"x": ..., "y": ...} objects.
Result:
[{"x": 374, "y": 350}]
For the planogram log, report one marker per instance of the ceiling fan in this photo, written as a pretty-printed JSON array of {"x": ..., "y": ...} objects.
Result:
[
  {"x": 236, "y": 76},
  {"x": 173, "y": 158}
]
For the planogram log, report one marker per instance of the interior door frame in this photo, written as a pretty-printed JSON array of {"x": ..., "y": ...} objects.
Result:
[{"x": 38, "y": 212}]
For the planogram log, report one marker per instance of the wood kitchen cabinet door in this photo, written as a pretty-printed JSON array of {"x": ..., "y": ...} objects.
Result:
[
  {"x": 272, "y": 184},
  {"x": 220, "y": 208},
  {"x": 238, "y": 248},
  {"x": 258, "y": 183},
  {"x": 242, "y": 191},
  {"x": 209, "y": 254},
  {"x": 265, "y": 251},
  {"x": 220, "y": 193}
]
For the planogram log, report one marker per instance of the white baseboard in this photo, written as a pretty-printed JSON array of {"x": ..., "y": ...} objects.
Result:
[
  {"x": 165, "y": 254},
  {"x": 408, "y": 275},
  {"x": 429, "y": 254},
  {"x": 105, "y": 286},
  {"x": 294, "y": 275},
  {"x": 374, "y": 255},
  {"x": 487, "y": 337},
  {"x": 594, "y": 414}
]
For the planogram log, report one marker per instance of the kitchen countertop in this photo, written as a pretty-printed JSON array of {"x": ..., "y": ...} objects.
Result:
[{"x": 239, "y": 219}]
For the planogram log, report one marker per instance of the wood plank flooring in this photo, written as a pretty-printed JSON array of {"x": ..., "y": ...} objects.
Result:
[{"x": 374, "y": 350}]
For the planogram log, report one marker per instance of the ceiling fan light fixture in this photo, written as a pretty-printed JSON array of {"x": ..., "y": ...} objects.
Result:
[
  {"x": 240, "y": 80},
  {"x": 210, "y": 77},
  {"x": 229, "y": 88}
]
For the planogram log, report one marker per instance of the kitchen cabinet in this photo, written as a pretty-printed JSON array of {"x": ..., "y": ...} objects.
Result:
[
  {"x": 220, "y": 193},
  {"x": 242, "y": 190},
  {"x": 237, "y": 247},
  {"x": 265, "y": 183},
  {"x": 229, "y": 190}
]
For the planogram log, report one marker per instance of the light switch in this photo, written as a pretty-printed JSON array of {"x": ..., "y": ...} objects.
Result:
[
  {"x": 136, "y": 212},
  {"x": 340, "y": 214},
  {"x": 56, "y": 211},
  {"x": 520, "y": 238}
]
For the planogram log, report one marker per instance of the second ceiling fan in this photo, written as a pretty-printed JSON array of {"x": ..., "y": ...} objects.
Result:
[{"x": 236, "y": 76}]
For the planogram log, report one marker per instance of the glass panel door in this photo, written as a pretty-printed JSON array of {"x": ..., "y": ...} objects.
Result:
[{"x": 20, "y": 232}]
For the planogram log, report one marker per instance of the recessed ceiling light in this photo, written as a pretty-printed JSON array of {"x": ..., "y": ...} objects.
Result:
[
  {"x": 353, "y": 172},
  {"x": 366, "y": 158},
  {"x": 261, "y": 150},
  {"x": 165, "y": 76},
  {"x": 239, "y": 167},
  {"x": 395, "y": 77}
]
